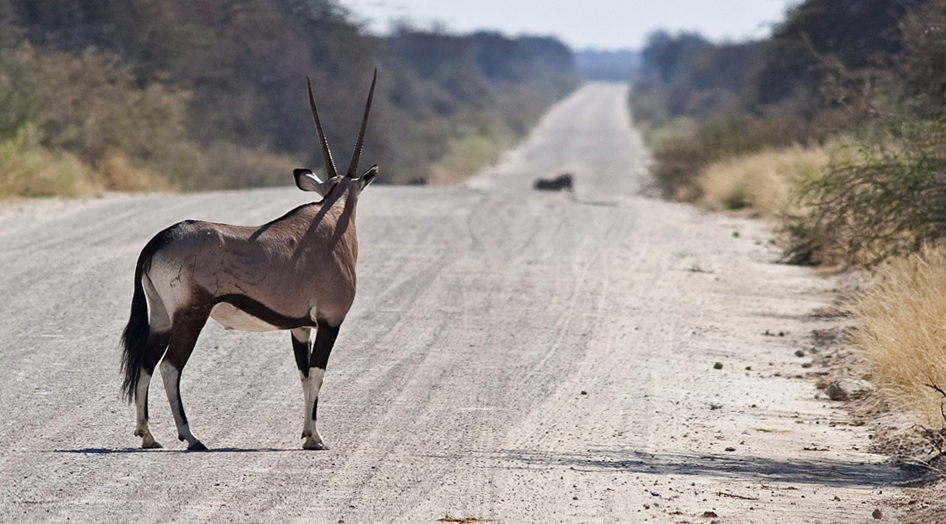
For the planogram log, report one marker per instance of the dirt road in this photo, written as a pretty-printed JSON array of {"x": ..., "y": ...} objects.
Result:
[{"x": 512, "y": 356}]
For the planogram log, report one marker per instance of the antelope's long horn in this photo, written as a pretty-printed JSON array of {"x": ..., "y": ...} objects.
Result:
[
  {"x": 326, "y": 154},
  {"x": 353, "y": 166}
]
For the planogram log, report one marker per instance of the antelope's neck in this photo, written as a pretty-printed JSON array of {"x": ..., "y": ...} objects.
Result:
[{"x": 340, "y": 219}]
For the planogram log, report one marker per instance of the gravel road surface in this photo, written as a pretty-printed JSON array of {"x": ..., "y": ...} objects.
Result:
[{"x": 512, "y": 356}]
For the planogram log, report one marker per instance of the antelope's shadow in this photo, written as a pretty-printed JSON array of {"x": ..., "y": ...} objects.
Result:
[{"x": 112, "y": 451}]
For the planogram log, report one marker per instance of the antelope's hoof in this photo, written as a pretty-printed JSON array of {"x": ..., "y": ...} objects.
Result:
[
  {"x": 151, "y": 444},
  {"x": 197, "y": 446},
  {"x": 314, "y": 444},
  {"x": 147, "y": 440}
]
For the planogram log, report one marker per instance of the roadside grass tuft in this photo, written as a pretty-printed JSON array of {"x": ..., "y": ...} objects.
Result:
[
  {"x": 900, "y": 325},
  {"x": 684, "y": 147},
  {"x": 766, "y": 181}
]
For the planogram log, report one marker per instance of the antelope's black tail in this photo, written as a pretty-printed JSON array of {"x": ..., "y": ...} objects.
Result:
[{"x": 139, "y": 344}]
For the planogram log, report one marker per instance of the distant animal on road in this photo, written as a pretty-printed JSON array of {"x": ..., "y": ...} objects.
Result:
[
  {"x": 562, "y": 182},
  {"x": 295, "y": 273}
]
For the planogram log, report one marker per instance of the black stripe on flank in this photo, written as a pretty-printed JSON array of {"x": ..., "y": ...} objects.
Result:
[{"x": 258, "y": 310}]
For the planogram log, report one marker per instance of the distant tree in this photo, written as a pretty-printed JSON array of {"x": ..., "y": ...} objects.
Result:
[
  {"x": 920, "y": 65},
  {"x": 10, "y": 30},
  {"x": 669, "y": 56},
  {"x": 691, "y": 76},
  {"x": 853, "y": 32}
]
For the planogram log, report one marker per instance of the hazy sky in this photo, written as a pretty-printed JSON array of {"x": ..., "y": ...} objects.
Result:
[{"x": 606, "y": 24}]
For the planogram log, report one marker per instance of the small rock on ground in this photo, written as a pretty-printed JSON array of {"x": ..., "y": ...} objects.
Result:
[{"x": 848, "y": 388}]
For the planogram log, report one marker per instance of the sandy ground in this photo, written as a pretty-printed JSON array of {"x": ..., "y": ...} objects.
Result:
[{"x": 512, "y": 356}]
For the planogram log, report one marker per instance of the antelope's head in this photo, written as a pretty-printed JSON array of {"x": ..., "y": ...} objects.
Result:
[{"x": 306, "y": 180}]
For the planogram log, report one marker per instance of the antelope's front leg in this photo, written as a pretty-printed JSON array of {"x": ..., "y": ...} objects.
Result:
[
  {"x": 312, "y": 376},
  {"x": 311, "y": 382}
]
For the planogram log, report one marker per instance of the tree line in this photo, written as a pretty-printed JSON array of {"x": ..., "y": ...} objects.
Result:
[
  {"x": 212, "y": 93},
  {"x": 865, "y": 77}
]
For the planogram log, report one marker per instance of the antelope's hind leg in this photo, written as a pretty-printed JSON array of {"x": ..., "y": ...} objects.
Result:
[
  {"x": 157, "y": 343},
  {"x": 301, "y": 349},
  {"x": 183, "y": 338}
]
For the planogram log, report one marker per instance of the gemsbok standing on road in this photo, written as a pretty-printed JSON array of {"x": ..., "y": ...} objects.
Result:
[{"x": 294, "y": 273}]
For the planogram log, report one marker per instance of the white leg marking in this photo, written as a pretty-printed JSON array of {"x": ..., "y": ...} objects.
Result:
[
  {"x": 171, "y": 376},
  {"x": 141, "y": 402},
  {"x": 302, "y": 334},
  {"x": 312, "y": 438},
  {"x": 316, "y": 375},
  {"x": 306, "y": 406}
]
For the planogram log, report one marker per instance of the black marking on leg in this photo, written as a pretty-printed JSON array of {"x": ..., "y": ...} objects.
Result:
[
  {"x": 325, "y": 337},
  {"x": 301, "y": 351},
  {"x": 180, "y": 403},
  {"x": 187, "y": 326},
  {"x": 157, "y": 345}
]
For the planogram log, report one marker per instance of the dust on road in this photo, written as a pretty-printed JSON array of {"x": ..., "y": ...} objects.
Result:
[{"x": 512, "y": 356}]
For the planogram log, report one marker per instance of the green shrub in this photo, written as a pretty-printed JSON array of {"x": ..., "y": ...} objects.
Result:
[{"x": 886, "y": 198}]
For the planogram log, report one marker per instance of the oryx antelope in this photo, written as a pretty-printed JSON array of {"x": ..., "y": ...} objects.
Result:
[{"x": 295, "y": 273}]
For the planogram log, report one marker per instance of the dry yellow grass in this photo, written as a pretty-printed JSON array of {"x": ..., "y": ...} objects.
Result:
[
  {"x": 901, "y": 324},
  {"x": 27, "y": 169},
  {"x": 765, "y": 181},
  {"x": 120, "y": 174}
]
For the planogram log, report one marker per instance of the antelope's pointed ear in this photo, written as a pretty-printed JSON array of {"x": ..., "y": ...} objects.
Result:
[
  {"x": 366, "y": 178},
  {"x": 307, "y": 181}
]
